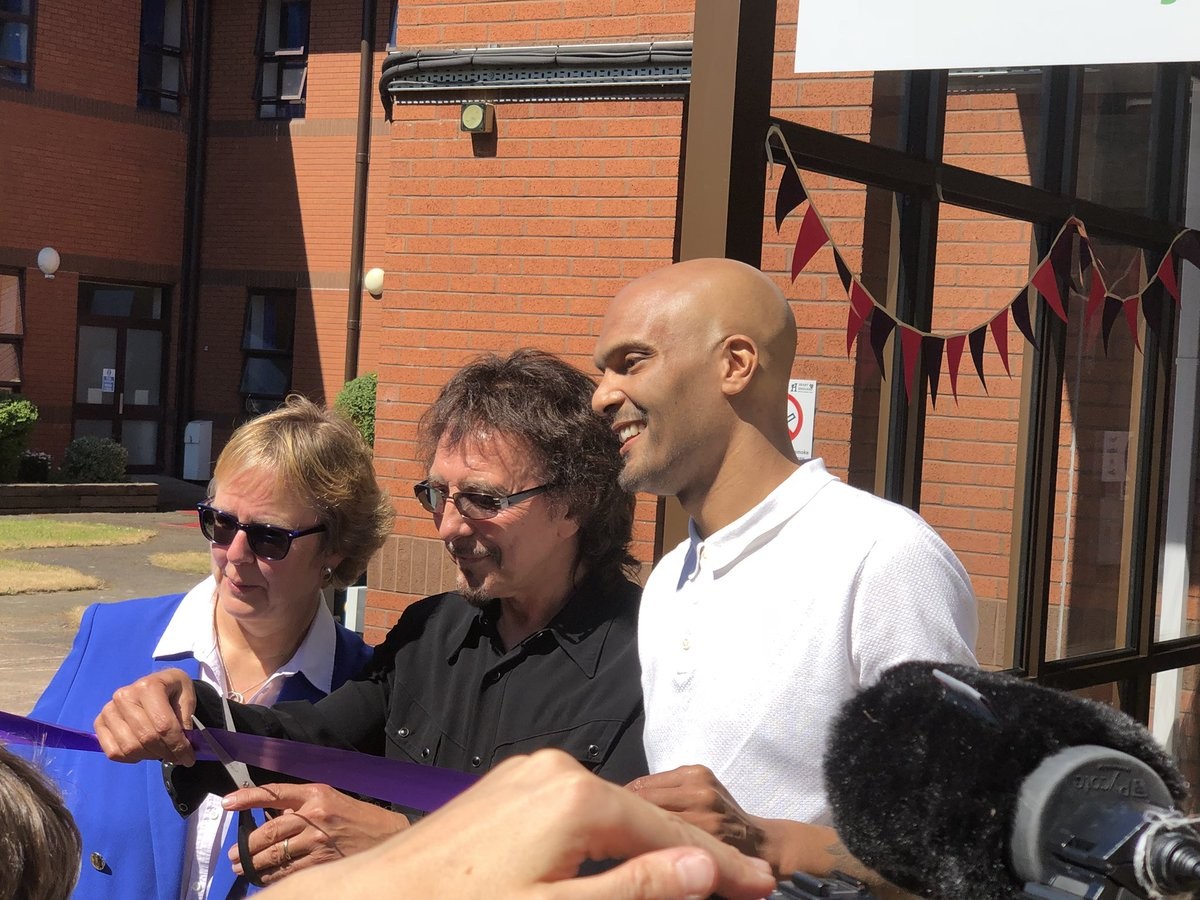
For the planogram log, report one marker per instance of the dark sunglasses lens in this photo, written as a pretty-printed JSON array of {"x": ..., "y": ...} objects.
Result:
[
  {"x": 220, "y": 528},
  {"x": 268, "y": 542},
  {"x": 428, "y": 496},
  {"x": 478, "y": 506}
]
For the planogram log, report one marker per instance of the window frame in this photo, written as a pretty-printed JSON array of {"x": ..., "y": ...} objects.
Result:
[
  {"x": 152, "y": 98},
  {"x": 255, "y": 402},
  {"x": 26, "y": 66},
  {"x": 16, "y": 339},
  {"x": 271, "y": 50}
]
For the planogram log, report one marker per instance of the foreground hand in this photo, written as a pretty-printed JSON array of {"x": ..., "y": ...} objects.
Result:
[
  {"x": 145, "y": 720},
  {"x": 317, "y": 825},
  {"x": 524, "y": 830},
  {"x": 694, "y": 794}
]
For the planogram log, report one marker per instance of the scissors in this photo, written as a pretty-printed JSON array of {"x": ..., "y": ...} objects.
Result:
[
  {"x": 237, "y": 770},
  {"x": 240, "y": 775}
]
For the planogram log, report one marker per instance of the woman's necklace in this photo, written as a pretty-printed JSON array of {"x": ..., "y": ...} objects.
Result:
[{"x": 240, "y": 696}]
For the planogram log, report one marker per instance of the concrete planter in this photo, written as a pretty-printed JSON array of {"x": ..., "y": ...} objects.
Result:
[{"x": 19, "y": 499}]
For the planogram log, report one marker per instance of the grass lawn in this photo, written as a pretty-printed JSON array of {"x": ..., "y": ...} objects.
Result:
[
  {"x": 18, "y": 577},
  {"x": 195, "y": 562},
  {"x": 21, "y": 533}
]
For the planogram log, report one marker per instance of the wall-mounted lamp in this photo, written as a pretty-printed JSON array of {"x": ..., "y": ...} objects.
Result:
[
  {"x": 476, "y": 117},
  {"x": 373, "y": 282},
  {"x": 48, "y": 261}
]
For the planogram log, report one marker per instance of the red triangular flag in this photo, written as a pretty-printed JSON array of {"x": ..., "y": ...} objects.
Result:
[
  {"x": 954, "y": 349},
  {"x": 860, "y": 307},
  {"x": 1046, "y": 281},
  {"x": 812, "y": 238},
  {"x": 1000, "y": 336},
  {"x": 910, "y": 343},
  {"x": 1131, "y": 318},
  {"x": 1166, "y": 275}
]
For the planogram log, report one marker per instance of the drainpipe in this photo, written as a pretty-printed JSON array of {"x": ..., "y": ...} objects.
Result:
[
  {"x": 193, "y": 204},
  {"x": 362, "y": 160}
]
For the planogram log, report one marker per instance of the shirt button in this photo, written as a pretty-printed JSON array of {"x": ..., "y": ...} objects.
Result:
[
  {"x": 183, "y": 808},
  {"x": 425, "y": 753},
  {"x": 98, "y": 862},
  {"x": 198, "y": 887},
  {"x": 593, "y": 751},
  {"x": 403, "y": 732},
  {"x": 476, "y": 762}
]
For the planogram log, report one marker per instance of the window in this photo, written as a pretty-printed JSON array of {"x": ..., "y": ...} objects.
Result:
[
  {"x": 282, "y": 59},
  {"x": 267, "y": 349},
  {"x": 16, "y": 40},
  {"x": 12, "y": 328},
  {"x": 160, "y": 63}
]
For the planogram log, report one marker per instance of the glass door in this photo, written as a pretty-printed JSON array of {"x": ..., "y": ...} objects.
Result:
[{"x": 119, "y": 369}]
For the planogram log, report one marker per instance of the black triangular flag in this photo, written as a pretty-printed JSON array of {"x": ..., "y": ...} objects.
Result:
[
  {"x": 881, "y": 329},
  {"x": 843, "y": 270},
  {"x": 789, "y": 196},
  {"x": 976, "y": 340},
  {"x": 1113, "y": 308},
  {"x": 1188, "y": 247},
  {"x": 1020, "y": 316},
  {"x": 1152, "y": 307},
  {"x": 931, "y": 356}
]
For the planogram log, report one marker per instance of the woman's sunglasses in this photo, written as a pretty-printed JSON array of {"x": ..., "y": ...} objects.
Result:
[
  {"x": 471, "y": 504},
  {"x": 266, "y": 541}
]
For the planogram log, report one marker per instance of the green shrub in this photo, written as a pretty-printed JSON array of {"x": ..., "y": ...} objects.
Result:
[
  {"x": 17, "y": 416},
  {"x": 357, "y": 400},
  {"x": 94, "y": 460},
  {"x": 33, "y": 467}
]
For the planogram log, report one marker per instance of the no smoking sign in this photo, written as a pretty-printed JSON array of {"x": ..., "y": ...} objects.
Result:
[{"x": 801, "y": 410}]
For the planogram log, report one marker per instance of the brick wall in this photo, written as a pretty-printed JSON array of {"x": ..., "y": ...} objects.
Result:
[
  {"x": 519, "y": 248},
  {"x": 82, "y": 169}
]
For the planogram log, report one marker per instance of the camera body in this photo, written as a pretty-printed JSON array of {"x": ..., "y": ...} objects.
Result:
[{"x": 802, "y": 886}]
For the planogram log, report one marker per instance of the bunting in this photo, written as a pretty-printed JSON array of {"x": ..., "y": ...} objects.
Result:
[{"x": 1069, "y": 262}]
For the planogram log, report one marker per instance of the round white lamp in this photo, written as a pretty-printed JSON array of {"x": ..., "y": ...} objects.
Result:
[
  {"x": 373, "y": 282},
  {"x": 48, "y": 261}
]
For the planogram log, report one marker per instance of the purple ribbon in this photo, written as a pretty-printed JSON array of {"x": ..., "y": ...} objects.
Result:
[{"x": 424, "y": 788}]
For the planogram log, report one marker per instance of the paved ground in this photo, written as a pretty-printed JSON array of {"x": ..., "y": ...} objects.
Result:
[{"x": 36, "y": 630}]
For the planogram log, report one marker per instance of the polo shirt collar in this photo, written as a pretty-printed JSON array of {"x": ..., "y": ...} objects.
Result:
[
  {"x": 191, "y": 633},
  {"x": 725, "y": 547}
]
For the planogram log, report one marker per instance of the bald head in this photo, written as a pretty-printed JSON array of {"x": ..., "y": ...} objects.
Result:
[
  {"x": 706, "y": 300},
  {"x": 695, "y": 361}
]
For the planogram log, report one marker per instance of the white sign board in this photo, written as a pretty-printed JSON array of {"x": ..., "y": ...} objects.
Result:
[
  {"x": 866, "y": 35},
  {"x": 801, "y": 411},
  {"x": 108, "y": 380}
]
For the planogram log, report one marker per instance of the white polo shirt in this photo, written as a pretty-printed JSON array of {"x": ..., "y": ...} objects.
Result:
[{"x": 751, "y": 640}]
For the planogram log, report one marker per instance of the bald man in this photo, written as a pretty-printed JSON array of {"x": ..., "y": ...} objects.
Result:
[{"x": 793, "y": 590}]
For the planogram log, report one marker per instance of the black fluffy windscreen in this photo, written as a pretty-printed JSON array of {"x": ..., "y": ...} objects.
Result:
[{"x": 923, "y": 783}]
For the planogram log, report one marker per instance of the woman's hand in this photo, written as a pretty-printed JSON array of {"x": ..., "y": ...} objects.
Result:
[
  {"x": 146, "y": 719},
  {"x": 317, "y": 824}
]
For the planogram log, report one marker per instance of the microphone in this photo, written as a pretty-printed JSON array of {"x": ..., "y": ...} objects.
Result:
[{"x": 956, "y": 783}]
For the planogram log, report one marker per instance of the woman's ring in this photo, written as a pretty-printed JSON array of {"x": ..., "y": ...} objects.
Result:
[{"x": 287, "y": 854}]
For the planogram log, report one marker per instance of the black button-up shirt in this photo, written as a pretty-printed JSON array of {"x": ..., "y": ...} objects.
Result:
[{"x": 441, "y": 690}]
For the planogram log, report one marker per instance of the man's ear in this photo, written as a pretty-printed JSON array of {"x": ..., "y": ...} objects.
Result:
[{"x": 739, "y": 363}]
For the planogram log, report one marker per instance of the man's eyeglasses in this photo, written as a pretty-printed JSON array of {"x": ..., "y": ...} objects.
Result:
[
  {"x": 266, "y": 541},
  {"x": 471, "y": 504}
]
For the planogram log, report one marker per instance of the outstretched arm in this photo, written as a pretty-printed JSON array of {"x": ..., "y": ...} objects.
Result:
[
  {"x": 525, "y": 829},
  {"x": 696, "y": 795},
  {"x": 146, "y": 719}
]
